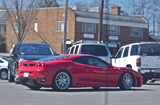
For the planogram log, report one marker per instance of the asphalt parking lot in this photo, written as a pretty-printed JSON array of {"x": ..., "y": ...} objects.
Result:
[{"x": 16, "y": 94}]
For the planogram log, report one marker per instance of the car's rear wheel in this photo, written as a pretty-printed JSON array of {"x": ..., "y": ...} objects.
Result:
[
  {"x": 10, "y": 77},
  {"x": 126, "y": 81},
  {"x": 61, "y": 81},
  {"x": 4, "y": 74}
]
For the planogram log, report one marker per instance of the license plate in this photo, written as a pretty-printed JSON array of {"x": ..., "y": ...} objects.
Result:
[{"x": 26, "y": 74}]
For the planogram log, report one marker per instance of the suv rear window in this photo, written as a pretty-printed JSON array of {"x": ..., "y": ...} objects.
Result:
[
  {"x": 35, "y": 50},
  {"x": 150, "y": 49},
  {"x": 96, "y": 50}
]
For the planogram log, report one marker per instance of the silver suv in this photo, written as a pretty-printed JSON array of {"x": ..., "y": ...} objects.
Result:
[
  {"x": 91, "y": 47},
  {"x": 143, "y": 57}
]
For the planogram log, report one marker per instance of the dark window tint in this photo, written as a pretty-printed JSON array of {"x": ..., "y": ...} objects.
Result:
[
  {"x": 118, "y": 55},
  {"x": 134, "y": 50},
  {"x": 97, "y": 50},
  {"x": 35, "y": 50},
  {"x": 72, "y": 49},
  {"x": 150, "y": 49},
  {"x": 126, "y": 52},
  {"x": 1, "y": 61},
  {"x": 76, "y": 49},
  {"x": 91, "y": 61}
]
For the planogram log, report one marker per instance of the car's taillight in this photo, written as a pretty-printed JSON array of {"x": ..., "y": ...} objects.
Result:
[
  {"x": 138, "y": 62},
  {"x": 42, "y": 64}
]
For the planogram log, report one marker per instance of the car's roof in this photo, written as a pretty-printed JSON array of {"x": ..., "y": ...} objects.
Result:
[
  {"x": 143, "y": 43},
  {"x": 33, "y": 43},
  {"x": 64, "y": 57}
]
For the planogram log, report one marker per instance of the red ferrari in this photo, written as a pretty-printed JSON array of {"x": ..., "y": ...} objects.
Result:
[{"x": 64, "y": 71}]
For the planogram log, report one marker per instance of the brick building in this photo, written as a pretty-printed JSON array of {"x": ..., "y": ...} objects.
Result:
[{"x": 117, "y": 30}]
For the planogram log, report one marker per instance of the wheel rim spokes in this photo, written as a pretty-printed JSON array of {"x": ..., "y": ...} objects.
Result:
[
  {"x": 62, "y": 80},
  {"x": 127, "y": 81},
  {"x": 4, "y": 75}
]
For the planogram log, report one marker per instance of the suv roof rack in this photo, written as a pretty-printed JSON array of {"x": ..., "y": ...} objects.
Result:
[
  {"x": 86, "y": 41},
  {"x": 143, "y": 42}
]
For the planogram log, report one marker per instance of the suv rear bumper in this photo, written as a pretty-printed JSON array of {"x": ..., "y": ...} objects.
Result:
[{"x": 151, "y": 75}]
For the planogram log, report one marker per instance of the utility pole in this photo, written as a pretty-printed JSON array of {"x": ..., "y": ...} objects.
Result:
[
  {"x": 100, "y": 21},
  {"x": 65, "y": 27}
]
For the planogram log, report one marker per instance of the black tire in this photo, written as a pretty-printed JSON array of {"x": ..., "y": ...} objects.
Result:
[
  {"x": 4, "y": 74},
  {"x": 10, "y": 77},
  {"x": 33, "y": 88},
  {"x": 61, "y": 81},
  {"x": 126, "y": 81},
  {"x": 16, "y": 77},
  {"x": 95, "y": 88},
  {"x": 145, "y": 80}
]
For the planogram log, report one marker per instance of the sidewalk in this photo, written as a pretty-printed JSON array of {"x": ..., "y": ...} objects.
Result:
[{"x": 4, "y": 54}]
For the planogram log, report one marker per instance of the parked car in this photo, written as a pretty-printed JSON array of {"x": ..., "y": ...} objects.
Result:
[
  {"x": 91, "y": 47},
  {"x": 76, "y": 70},
  {"x": 143, "y": 57},
  {"x": 26, "y": 51},
  {"x": 4, "y": 67}
]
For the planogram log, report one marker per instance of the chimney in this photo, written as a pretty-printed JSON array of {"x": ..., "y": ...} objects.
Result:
[{"x": 116, "y": 10}]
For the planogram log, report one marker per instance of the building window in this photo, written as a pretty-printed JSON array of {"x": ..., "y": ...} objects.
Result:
[
  {"x": 2, "y": 30},
  {"x": 136, "y": 32},
  {"x": 114, "y": 30},
  {"x": 36, "y": 27},
  {"x": 14, "y": 27},
  {"x": 60, "y": 26},
  {"x": 89, "y": 27}
]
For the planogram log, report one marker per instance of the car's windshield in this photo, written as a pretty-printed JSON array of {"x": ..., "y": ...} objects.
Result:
[
  {"x": 150, "y": 49},
  {"x": 53, "y": 58},
  {"x": 97, "y": 50},
  {"x": 35, "y": 50}
]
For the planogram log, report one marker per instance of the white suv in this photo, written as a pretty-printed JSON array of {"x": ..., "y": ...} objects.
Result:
[
  {"x": 143, "y": 57},
  {"x": 91, "y": 47}
]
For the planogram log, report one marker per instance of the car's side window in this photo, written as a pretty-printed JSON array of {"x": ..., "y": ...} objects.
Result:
[
  {"x": 68, "y": 51},
  {"x": 118, "y": 55},
  {"x": 76, "y": 49},
  {"x": 1, "y": 61},
  {"x": 72, "y": 49},
  {"x": 82, "y": 60},
  {"x": 91, "y": 61},
  {"x": 134, "y": 50},
  {"x": 125, "y": 54}
]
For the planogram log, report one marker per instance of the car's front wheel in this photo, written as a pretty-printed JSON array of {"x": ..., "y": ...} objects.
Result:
[
  {"x": 10, "y": 77},
  {"x": 126, "y": 81},
  {"x": 4, "y": 74},
  {"x": 61, "y": 81}
]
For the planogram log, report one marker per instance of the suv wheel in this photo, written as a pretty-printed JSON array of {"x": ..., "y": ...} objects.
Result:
[
  {"x": 16, "y": 77},
  {"x": 10, "y": 77}
]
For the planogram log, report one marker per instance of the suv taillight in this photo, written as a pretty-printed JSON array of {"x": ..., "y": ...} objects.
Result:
[{"x": 138, "y": 62}]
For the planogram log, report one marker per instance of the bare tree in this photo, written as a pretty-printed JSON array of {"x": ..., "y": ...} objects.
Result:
[
  {"x": 20, "y": 14},
  {"x": 47, "y": 3}
]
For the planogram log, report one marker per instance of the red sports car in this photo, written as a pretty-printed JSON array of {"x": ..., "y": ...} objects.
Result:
[{"x": 64, "y": 71}]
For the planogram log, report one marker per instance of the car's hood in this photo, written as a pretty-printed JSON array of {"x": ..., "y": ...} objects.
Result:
[{"x": 34, "y": 57}]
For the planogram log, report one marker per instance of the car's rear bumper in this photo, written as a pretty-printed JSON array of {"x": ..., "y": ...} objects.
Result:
[{"x": 29, "y": 81}]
